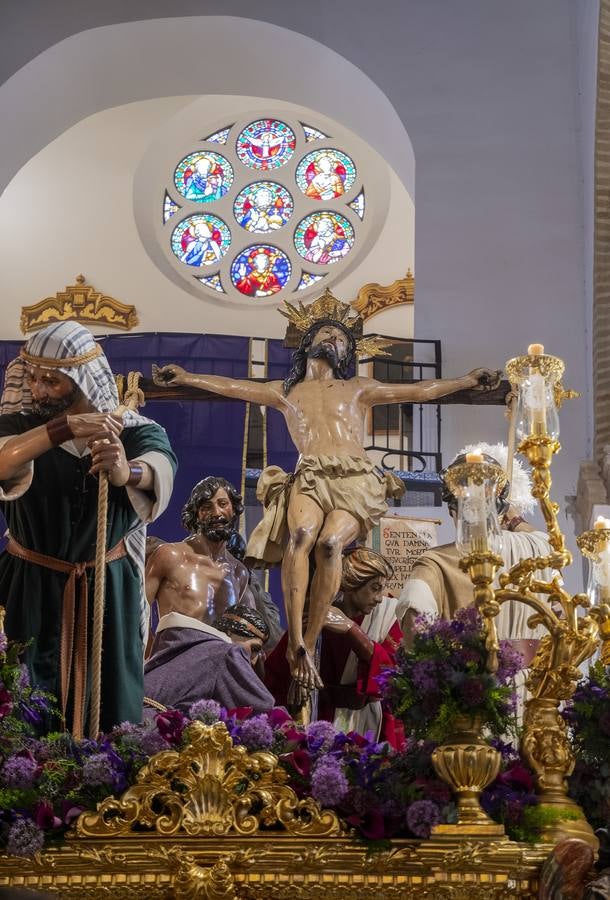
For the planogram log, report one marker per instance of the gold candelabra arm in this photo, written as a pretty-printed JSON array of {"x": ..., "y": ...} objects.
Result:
[
  {"x": 520, "y": 576},
  {"x": 557, "y": 594},
  {"x": 562, "y": 394},
  {"x": 481, "y": 566},
  {"x": 539, "y": 450},
  {"x": 571, "y": 639},
  {"x": 544, "y": 613}
]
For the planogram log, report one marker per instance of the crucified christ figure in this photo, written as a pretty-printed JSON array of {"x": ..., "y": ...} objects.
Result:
[{"x": 336, "y": 493}]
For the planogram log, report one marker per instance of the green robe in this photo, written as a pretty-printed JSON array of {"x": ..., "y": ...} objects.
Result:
[{"x": 57, "y": 516}]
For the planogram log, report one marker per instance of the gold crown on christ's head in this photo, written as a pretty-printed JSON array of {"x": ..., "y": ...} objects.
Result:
[{"x": 329, "y": 307}]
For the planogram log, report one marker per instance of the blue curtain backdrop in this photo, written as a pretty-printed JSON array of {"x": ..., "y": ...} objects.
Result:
[
  {"x": 207, "y": 437},
  {"x": 280, "y": 449}
]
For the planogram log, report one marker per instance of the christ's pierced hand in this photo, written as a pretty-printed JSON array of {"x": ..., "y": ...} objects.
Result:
[
  {"x": 169, "y": 375},
  {"x": 485, "y": 379}
]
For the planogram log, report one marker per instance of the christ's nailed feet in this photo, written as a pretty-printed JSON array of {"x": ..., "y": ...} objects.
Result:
[{"x": 303, "y": 670}]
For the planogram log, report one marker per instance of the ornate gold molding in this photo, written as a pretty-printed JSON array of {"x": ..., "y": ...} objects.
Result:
[
  {"x": 209, "y": 788},
  {"x": 373, "y": 298},
  {"x": 79, "y": 302},
  {"x": 279, "y": 866},
  {"x": 214, "y": 822}
]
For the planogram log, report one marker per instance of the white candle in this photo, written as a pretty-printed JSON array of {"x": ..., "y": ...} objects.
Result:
[
  {"x": 537, "y": 399},
  {"x": 475, "y": 507}
]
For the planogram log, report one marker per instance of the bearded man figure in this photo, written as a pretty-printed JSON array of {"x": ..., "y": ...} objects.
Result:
[
  {"x": 337, "y": 493},
  {"x": 199, "y": 577},
  {"x": 56, "y": 434}
]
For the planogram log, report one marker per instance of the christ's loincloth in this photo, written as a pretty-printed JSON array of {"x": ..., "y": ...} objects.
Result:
[{"x": 353, "y": 484}]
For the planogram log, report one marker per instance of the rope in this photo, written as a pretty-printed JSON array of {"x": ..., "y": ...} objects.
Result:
[
  {"x": 134, "y": 395},
  {"x": 133, "y": 398},
  {"x": 154, "y": 704},
  {"x": 69, "y": 362},
  {"x": 99, "y": 597}
]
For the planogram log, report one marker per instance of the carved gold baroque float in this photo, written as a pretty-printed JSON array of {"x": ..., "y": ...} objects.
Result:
[
  {"x": 79, "y": 302},
  {"x": 214, "y": 821}
]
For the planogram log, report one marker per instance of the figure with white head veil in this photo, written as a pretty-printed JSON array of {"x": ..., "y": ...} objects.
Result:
[
  {"x": 438, "y": 587},
  {"x": 57, "y": 432}
]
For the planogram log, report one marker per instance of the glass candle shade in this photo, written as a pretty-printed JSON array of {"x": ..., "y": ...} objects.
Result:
[
  {"x": 598, "y": 586},
  {"x": 536, "y": 375},
  {"x": 475, "y": 483}
]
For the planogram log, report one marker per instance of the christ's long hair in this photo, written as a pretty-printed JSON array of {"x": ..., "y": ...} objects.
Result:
[{"x": 299, "y": 357}]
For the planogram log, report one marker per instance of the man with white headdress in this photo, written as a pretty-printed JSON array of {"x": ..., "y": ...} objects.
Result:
[
  {"x": 57, "y": 432},
  {"x": 437, "y": 586}
]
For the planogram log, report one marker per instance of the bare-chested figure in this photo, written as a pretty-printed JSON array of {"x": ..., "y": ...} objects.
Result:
[
  {"x": 336, "y": 494},
  {"x": 198, "y": 577}
]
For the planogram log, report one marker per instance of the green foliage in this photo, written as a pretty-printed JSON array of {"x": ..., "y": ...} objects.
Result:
[{"x": 536, "y": 819}]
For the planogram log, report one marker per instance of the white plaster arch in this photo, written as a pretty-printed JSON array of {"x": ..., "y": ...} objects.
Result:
[{"x": 117, "y": 64}]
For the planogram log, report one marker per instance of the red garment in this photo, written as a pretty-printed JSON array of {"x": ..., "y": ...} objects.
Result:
[{"x": 335, "y": 651}]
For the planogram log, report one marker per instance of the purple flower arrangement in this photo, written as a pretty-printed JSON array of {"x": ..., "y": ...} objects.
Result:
[
  {"x": 445, "y": 675},
  {"x": 588, "y": 718},
  {"x": 47, "y": 778}
]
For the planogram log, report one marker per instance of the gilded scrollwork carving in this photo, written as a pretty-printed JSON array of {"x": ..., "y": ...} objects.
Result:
[
  {"x": 107, "y": 856},
  {"x": 471, "y": 854},
  {"x": 373, "y": 298},
  {"x": 546, "y": 747},
  {"x": 314, "y": 857},
  {"x": 195, "y": 882},
  {"x": 79, "y": 302},
  {"x": 382, "y": 861},
  {"x": 209, "y": 788}
]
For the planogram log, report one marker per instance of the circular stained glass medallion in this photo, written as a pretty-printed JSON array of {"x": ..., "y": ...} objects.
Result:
[
  {"x": 204, "y": 176},
  {"x": 325, "y": 174},
  {"x": 263, "y": 206},
  {"x": 260, "y": 270},
  {"x": 324, "y": 237},
  {"x": 201, "y": 240},
  {"x": 266, "y": 144}
]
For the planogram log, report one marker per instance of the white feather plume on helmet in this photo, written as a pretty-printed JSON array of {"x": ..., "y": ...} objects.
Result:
[{"x": 521, "y": 488}]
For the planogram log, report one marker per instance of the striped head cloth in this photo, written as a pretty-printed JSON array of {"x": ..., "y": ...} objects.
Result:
[{"x": 69, "y": 348}]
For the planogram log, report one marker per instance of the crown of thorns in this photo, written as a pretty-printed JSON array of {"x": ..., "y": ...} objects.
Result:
[{"x": 328, "y": 307}]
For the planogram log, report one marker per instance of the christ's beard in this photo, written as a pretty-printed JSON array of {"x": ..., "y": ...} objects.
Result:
[
  {"x": 327, "y": 352},
  {"x": 216, "y": 530},
  {"x": 49, "y": 409}
]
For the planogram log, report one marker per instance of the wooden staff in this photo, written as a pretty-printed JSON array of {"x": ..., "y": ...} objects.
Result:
[{"x": 134, "y": 397}]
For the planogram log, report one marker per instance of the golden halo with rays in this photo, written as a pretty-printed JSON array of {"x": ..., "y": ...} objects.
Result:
[{"x": 327, "y": 306}]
